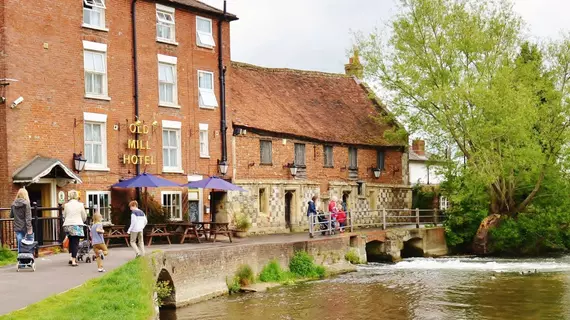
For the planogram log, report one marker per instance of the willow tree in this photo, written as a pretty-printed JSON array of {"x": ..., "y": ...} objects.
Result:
[{"x": 459, "y": 72}]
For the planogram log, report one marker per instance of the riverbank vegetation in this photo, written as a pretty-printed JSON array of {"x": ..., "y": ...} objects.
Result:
[
  {"x": 124, "y": 293},
  {"x": 494, "y": 107},
  {"x": 7, "y": 256}
]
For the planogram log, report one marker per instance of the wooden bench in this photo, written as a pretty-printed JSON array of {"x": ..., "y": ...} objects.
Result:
[
  {"x": 185, "y": 230},
  {"x": 115, "y": 232},
  {"x": 158, "y": 230}
]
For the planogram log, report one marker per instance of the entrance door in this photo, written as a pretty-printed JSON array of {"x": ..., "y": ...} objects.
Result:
[
  {"x": 40, "y": 193},
  {"x": 345, "y": 196},
  {"x": 194, "y": 211},
  {"x": 288, "y": 208}
]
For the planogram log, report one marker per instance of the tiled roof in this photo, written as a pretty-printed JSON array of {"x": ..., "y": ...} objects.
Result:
[
  {"x": 202, "y": 7},
  {"x": 416, "y": 157},
  {"x": 306, "y": 104}
]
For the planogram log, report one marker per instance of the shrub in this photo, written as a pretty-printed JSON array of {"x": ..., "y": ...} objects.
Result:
[
  {"x": 272, "y": 272},
  {"x": 303, "y": 266},
  {"x": 533, "y": 233},
  {"x": 242, "y": 222},
  {"x": 245, "y": 275},
  {"x": 352, "y": 256},
  {"x": 461, "y": 227},
  {"x": 233, "y": 285},
  {"x": 163, "y": 290},
  {"x": 7, "y": 256}
]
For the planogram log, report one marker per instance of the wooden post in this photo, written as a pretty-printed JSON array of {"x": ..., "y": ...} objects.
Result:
[
  {"x": 383, "y": 219},
  {"x": 417, "y": 218}
]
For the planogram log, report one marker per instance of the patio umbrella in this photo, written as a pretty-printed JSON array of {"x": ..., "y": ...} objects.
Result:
[
  {"x": 214, "y": 183},
  {"x": 145, "y": 180}
]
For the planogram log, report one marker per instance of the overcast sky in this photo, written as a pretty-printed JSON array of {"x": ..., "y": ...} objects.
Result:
[{"x": 316, "y": 34}]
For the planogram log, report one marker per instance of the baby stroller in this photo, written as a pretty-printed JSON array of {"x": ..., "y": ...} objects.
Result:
[
  {"x": 85, "y": 247},
  {"x": 324, "y": 223},
  {"x": 26, "y": 255}
]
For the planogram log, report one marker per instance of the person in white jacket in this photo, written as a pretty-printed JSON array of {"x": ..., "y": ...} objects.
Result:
[
  {"x": 74, "y": 216},
  {"x": 138, "y": 222}
]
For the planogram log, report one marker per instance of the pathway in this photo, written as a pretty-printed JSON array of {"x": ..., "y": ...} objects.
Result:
[{"x": 53, "y": 275}]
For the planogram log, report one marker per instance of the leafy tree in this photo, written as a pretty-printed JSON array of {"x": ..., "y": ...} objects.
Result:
[{"x": 459, "y": 72}]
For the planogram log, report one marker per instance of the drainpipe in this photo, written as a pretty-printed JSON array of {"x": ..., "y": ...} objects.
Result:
[
  {"x": 135, "y": 81},
  {"x": 222, "y": 72}
]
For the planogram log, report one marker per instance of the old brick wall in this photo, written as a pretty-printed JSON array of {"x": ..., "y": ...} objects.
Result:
[{"x": 50, "y": 120}]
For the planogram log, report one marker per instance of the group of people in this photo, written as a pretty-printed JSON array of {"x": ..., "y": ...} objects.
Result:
[
  {"x": 74, "y": 219},
  {"x": 336, "y": 209}
]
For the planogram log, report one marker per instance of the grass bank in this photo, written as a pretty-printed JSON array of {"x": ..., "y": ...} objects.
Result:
[
  {"x": 7, "y": 256},
  {"x": 124, "y": 293}
]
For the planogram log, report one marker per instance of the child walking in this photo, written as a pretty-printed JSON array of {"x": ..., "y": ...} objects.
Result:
[
  {"x": 138, "y": 222},
  {"x": 99, "y": 246}
]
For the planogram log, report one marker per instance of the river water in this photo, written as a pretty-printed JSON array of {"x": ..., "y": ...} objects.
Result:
[{"x": 418, "y": 288}]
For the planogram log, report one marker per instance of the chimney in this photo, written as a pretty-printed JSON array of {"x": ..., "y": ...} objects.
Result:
[
  {"x": 419, "y": 147},
  {"x": 354, "y": 68}
]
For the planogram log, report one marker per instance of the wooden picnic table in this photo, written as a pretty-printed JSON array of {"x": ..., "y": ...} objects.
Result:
[
  {"x": 158, "y": 230},
  {"x": 186, "y": 230},
  {"x": 214, "y": 228},
  {"x": 114, "y": 232}
]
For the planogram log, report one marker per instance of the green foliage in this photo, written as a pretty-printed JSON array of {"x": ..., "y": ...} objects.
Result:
[
  {"x": 272, "y": 272},
  {"x": 461, "y": 227},
  {"x": 124, "y": 293},
  {"x": 233, "y": 285},
  {"x": 460, "y": 74},
  {"x": 163, "y": 290},
  {"x": 534, "y": 233},
  {"x": 423, "y": 197},
  {"x": 245, "y": 275},
  {"x": 242, "y": 222},
  {"x": 7, "y": 256},
  {"x": 303, "y": 266},
  {"x": 352, "y": 256}
]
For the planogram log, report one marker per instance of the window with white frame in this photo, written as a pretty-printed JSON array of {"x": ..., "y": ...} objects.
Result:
[
  {"x": 204, "y": 37},
  {"x": 95, "y": 68},
  {"x": 171, "y": 146},
  {"x": 100, "y": 201},
  {"x": 204, "y": 147},
  {"x": 172, "y": 204},
  {"x": 94, "y": 13},
  {"x": 207, "y": 97},
  {"x": 167, "y": 81},
  {"x": 95, "y": 141},
  {"x": 443, "y": 203},
  {"x": 165, "y": 25}
]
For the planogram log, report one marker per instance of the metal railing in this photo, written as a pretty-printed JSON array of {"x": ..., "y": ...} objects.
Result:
[
  {"x": 383, "y": 218},
  {"x": 47, "y": 228}
]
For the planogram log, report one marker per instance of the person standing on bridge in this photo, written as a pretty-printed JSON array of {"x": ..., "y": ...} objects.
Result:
[
  {"x": 21, "y": 211},
  {"x": 138, "y": 222},
  {"x": 74, "y": 217},
  {"x": 312, "y": 212}
]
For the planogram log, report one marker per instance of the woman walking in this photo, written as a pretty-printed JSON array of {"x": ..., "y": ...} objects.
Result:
[
  {"x": 21, "y": 211},
  {"x": 74, "y": 216}
]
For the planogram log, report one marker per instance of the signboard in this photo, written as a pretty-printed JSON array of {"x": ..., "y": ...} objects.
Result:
[
  {"x": 138, "y": 144},
  {"x": 61, "y": 197}
]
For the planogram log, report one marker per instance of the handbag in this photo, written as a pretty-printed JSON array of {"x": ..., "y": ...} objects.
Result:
[{"x": 66, "y": 243}]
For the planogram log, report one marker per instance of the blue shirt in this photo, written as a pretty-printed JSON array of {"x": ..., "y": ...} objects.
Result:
[{"x": 97, "y": 238}]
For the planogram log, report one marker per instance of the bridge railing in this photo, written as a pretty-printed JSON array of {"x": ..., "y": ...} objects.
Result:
[{"x": 324, "y": 223}]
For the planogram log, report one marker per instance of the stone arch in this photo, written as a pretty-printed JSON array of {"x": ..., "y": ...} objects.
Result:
[
  {"x": 170, "y": 301},
  {"x": 376, "y": 251},
  {"x": 412, "y": 247}
]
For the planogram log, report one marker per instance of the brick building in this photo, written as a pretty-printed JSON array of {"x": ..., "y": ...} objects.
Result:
[
  {"x": 323, "y": 125},
  {"x": 72, "y": 63}
]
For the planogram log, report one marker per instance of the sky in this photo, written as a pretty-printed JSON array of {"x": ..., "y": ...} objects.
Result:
[{"x": 318, "y": 34}]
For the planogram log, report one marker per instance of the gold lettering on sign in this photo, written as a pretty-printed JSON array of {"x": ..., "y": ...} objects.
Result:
[{"x": 138, "y": 144}]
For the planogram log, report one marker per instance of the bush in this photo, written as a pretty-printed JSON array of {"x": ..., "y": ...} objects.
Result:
[
  {"x": 234, "y": 286},
  {"x": 163, "y": 290},
  {"x": 352, "y": 256},
  {"x": 245, "y": 275},
  {"x": 272, "y": 272},
  {"x": 534, "y": 233},
  {"x": 303, "y": 266},
  {"x": 461, "y": 227},
  {"x": 7, "y": 256},
  {"x": 242, "y": 222}
]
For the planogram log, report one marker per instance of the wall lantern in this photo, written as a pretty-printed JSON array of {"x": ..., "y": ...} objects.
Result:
[
  {"x": 223, "y": 167},
  {"x": 292, "y": 167},
  {"x": 376, "y": 172},
  {"x": 79, "y": 162}
]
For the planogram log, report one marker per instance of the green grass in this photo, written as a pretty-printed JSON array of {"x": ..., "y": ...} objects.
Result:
[
  {"x": 7, "y": 256},
  {"x": 302, "y": 267},
  {"x": 272, "y": 272},
  {"x": 352, "y": 256},
  {"x": 124, "y": 293}
]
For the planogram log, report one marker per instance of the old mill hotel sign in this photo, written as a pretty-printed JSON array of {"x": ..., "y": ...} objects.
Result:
[{"x": 138, "y": 144}]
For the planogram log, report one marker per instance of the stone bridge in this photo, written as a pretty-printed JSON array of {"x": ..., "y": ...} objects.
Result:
[{"x": 201, "y": 273}]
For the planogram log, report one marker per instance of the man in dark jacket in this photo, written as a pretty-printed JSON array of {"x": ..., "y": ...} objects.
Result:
[{"x": 21, "y": 211}]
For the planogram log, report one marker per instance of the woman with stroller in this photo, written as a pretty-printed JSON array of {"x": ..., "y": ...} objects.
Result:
[
  {"x": 74, "y": 216},
  {"x": 21, "y": 211}
]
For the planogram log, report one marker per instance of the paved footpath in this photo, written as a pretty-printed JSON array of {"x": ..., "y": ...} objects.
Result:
[{"x": 53, "y": 275}]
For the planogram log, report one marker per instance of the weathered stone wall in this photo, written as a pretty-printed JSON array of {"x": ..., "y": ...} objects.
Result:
[{"x": 202, "y": 274}]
